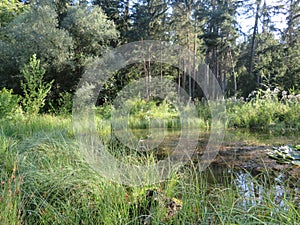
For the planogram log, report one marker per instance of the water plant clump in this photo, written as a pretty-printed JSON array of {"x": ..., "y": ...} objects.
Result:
[{"x": 289, "y": 154}]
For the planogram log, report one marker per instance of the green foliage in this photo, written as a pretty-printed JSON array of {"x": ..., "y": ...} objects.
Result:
[
  {"x": 68, "y": 35},
  {"x": 148, "y": 21},
  {"x": 36, "y": 31},
  {"x": 271, "y": 110},
  {"x": 90, "y": 30},
  {"x": 65, "y": 38},
  {"x": 264, "y": 110},
  {"x": 141, "y": 113},
  {"x": 34, "y": 88},
  {"x": 9, "y": 104},
  {"x": 9, "y": 9},
  {"x": 104, "y": 112},
  {"x": 65, "y": 103},
  {"x": 286, "y": 154},
  {"x": 269, "y": 66}
]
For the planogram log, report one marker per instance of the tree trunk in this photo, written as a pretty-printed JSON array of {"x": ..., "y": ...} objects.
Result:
[
  {"x": 194, "y": 61},
  {"x": 233, "y": 74},
  {"x": 255, "y": 30},
  {"x": 178, "y": 71}
]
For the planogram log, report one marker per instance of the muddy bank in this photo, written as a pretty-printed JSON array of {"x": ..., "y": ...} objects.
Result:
[
  {"x": 239, "y": 150},
  {"x": 253, "y": 158}
]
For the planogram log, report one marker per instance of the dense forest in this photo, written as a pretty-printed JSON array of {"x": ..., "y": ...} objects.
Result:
[{"x": 66, "y": 35}]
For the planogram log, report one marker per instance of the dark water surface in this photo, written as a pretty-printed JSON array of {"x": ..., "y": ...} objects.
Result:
[{"x": 251, "y": 185}]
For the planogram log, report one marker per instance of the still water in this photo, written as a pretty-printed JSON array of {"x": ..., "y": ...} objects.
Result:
[{"x": 250, "y": 183}]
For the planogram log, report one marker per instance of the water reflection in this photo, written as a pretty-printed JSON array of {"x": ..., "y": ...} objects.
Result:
[{"x": 254, "y": 189}]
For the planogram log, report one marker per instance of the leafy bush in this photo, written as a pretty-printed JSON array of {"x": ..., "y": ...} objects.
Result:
[
  {"x": 142, "y": 113},
  {"x": 9, "y": 104},
  {"x": 65, "y": 103},
  {"x": 265, "y": 110},
  {"x": 35, "y": 90},
  {"x": 104, "y": 111}
]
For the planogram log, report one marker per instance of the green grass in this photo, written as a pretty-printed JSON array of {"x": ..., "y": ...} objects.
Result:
[
  {"x": 45, "y": 180},
  {"x": 267, "y": 111}
]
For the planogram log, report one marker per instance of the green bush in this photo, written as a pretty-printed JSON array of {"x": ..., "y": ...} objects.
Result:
[
  {"x": 35, "y": 90},
  {"x": 265, "y": 110},
  {"x": 65, "y": 103},
  {"x": 9, "y": 104}
]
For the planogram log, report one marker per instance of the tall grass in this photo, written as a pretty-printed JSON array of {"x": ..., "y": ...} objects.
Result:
[
  {"x": 10, "y": 196},
  {"x": 269, "y": 110},
  {"x": 45, "y": 180},
  {"x": 264, "y": 110}
]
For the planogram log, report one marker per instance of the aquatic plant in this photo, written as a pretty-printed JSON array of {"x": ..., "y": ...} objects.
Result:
[{"x": 286, "y": 154}]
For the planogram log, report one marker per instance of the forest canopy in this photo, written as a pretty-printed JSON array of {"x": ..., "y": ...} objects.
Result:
[{"x": 66, "y": 35}]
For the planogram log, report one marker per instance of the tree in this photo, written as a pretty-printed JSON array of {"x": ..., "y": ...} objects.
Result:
[
  {"x": 36, "y": 31},
  {"x": 118, "y": 12},
  {"x": 219, "y": 36},
  {"x": 254, "y": 34},
  {"x": 262, "y": 56},
  {"x": 148, "y": 23},
  {"x": 63, "y": 48},
  {"x": 9, "y": 9},
  {"x": 185, "y": 30},
  {"x": 90, "y": 30},
  {"x": 269, "y": 60},
  {"x": 292, "y": 40}
]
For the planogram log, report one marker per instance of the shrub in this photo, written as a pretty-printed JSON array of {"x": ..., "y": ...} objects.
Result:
[
  {"x": 35, "y": 90},
  {"x": 265, "y": 110},
  {"x": 65, "y": 103},
  {"x": 9, "y": 104}
]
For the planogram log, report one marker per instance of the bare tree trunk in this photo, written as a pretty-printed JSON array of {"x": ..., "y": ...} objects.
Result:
[
  {"x": 233, "y": 73},
  {"x": 194, "y": 60},
  {"x": 149, "y": 79},
  {"x": 146, "y": 79},
  {"x": 207, "y": 82},
  {"x": 255, "y": 30},
  {"x": 189, "y": 65},
  {"x": 178, "y": 71}
]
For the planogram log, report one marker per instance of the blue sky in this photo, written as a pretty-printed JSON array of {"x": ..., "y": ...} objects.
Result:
[{"x": 248, "y": 23}]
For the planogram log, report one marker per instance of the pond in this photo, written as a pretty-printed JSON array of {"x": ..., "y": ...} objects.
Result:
[
  {"x": 235, "y": 145},
  {"x": 241, "y": 161}
]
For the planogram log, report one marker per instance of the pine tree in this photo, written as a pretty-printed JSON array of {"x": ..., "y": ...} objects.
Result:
[
  {"x": 292, "y": 41},
  {"x": 220, "y": 34}
]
